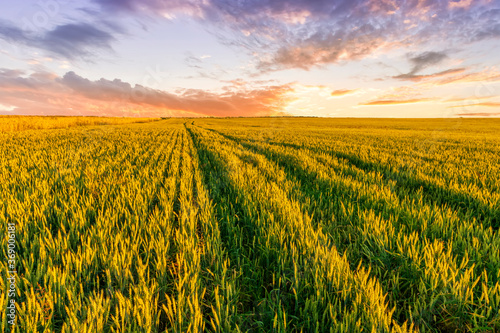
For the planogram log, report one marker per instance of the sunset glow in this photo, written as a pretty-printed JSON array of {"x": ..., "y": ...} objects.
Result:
[{"x": 370, "y": 58}]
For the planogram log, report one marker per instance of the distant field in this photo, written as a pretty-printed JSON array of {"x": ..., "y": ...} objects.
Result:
[
  {"x": 21, "y": 123},
  {"x": 254, "y": 225}
]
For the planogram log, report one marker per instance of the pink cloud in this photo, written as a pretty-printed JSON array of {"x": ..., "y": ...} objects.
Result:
[
  {"x": 45, "y": 93},
  {"x": 460, "y": 4}
]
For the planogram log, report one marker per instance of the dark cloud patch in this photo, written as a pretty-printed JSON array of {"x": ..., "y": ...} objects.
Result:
[
  {"x": 11, "y": 33},
  {"x": 70, "y": 41},
  {"x": 73, "y": 40},
  {"x": 128, "y": 5},
  {"x": 425, "y": 60},
  {"x": 414, "y": 77}
]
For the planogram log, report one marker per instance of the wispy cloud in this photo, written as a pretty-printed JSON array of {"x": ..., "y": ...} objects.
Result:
[
  {"x": 380, "y": 102},
  {"x": 486, "y": 104},
  {"x": 466, "y": 99},
  {"x": 453, "y": 76},
  {"x": 168, "y": 9},
  {"x": 486, "y": 75},
  {"x": 413, "y": 77},
  {"x": 480, "y": 114}
]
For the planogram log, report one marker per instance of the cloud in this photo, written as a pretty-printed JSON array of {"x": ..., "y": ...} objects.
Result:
[
  {"x": 488, "y": 32},
  {"x": 11, "y": 33},
  {"x": 343, "y": 92},
  {"x": 396, "y": 102},
  {"x": 460, "y": 3},
  {"x": 69, "y": 41},
  {"x": 466, "y": 99},
  {"x": 305, "y": 34},
  {"x": 486, "y": 104},
  {"x": 490, "y": 27},
  {"x": 480, "y": 114},
  {"x": 486, "y": 75},
  {"x": 425, "y": 60},
  {"x": 413, "y": 77},
  {"x": 10, "y": 73},
  {"x": 168, "y": 9},
  {"x": 452, "y": 76},
  {"x": 193, "y": 61},
  {"x": 489, "y": 104},
  {"x": 323, "y": 49},
  {"x": 285, "y": 34},
  {"x": 71, "y": 94},
  {"x": 7, "y": 107},
  {"x": 73, "y": 40}
]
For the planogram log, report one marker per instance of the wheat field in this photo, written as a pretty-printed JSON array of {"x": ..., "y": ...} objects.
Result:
[{"x": 252, "y": 225}]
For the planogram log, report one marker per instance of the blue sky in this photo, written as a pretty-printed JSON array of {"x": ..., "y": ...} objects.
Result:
[{"x": 358, "y": 58}]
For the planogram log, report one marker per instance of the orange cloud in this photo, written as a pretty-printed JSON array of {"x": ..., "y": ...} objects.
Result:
[
  {"x": 486, "y": 104},
  {"x": 318, "y": 51},
  {"x": 388, "y": 7},
  {"x": 44, "y": 94},
  {"x": 343, "y": 92},
  {"x": 459, "y": 99},
  {"x": 460, "y": 4},
  {"x": 489, "y": 104},
  {"x": 487, "y": 75},
  {"x": 480, "y": 114},
  {"x": 396, "y": 102}
]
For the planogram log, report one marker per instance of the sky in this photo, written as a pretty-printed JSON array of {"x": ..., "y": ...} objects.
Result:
[{"x": 198, "y": 58}]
